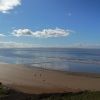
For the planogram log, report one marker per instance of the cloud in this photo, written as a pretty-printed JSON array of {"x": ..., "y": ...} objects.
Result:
[
  {"x": 45, "y": 33},
  {"x": 12, "y": 44},
  {"x": 69, "y": 14},
  {"x": 2, "y": 35},
  {"x": 7, "y": 5}
]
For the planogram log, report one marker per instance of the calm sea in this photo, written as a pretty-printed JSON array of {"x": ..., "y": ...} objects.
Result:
[{"x": 75, "y": 60}]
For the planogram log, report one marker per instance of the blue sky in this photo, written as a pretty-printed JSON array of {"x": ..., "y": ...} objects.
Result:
[{"x": 63, "y": 23}]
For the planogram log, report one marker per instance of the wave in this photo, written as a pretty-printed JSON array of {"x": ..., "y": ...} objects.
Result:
[{"x": 77, "y": 60}]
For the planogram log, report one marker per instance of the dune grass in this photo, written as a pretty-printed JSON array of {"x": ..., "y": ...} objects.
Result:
[
  {"x": 86, "y": 95},
  {"x": 3, "y": 90},
  {"x": 8, "y": 94}
]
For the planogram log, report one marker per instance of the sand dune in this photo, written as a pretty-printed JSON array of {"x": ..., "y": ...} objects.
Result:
[{"x": 37, "y": 80}]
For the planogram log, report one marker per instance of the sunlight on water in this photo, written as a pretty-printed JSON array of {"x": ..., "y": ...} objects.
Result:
[{"x": 85, "y": 60}]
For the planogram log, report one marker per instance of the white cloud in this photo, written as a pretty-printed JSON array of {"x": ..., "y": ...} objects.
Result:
[
  {"x": 12, "y": 44},
  {"x": 45, "y": 33},
  {"x": 7, "y": 5},
  {"x": 69, "y": 14},
  {"x": 2, "y": 35}
]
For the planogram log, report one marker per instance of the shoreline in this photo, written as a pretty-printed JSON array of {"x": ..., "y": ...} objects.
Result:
[
  {"x": 39, "y": 80},
  {"x": 87, "y": 74}
]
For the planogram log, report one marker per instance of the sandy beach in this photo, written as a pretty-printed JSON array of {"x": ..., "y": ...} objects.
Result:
[{"x": 38, "y": 80}]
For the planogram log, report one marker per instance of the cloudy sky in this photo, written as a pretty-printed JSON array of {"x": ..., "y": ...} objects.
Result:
[{"x": 61, "y": 23}]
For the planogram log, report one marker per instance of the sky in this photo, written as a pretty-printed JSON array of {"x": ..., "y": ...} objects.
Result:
[{"x": 50, "y": 23}]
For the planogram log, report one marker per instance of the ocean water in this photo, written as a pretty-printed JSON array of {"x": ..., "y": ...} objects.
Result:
[{"x": 74, "y": 60}]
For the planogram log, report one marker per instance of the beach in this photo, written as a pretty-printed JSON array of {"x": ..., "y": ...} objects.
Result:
[{"x": 39, "y": 80}]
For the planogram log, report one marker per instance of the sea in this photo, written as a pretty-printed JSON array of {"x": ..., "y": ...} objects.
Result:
[{"x": 65, "y": 59}]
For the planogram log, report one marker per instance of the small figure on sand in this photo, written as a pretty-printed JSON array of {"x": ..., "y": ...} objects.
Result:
[
  {"x": 35, "y": 75},
  {"x": 40, "y": 75}
]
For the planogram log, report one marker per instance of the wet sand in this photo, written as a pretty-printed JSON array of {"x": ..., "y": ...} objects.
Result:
[{"x": 38, "y": 80}]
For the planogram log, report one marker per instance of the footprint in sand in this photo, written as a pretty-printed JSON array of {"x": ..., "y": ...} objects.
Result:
[
  {"x": 35, "y": 75},
  {"x": 44, "y": 80}
]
